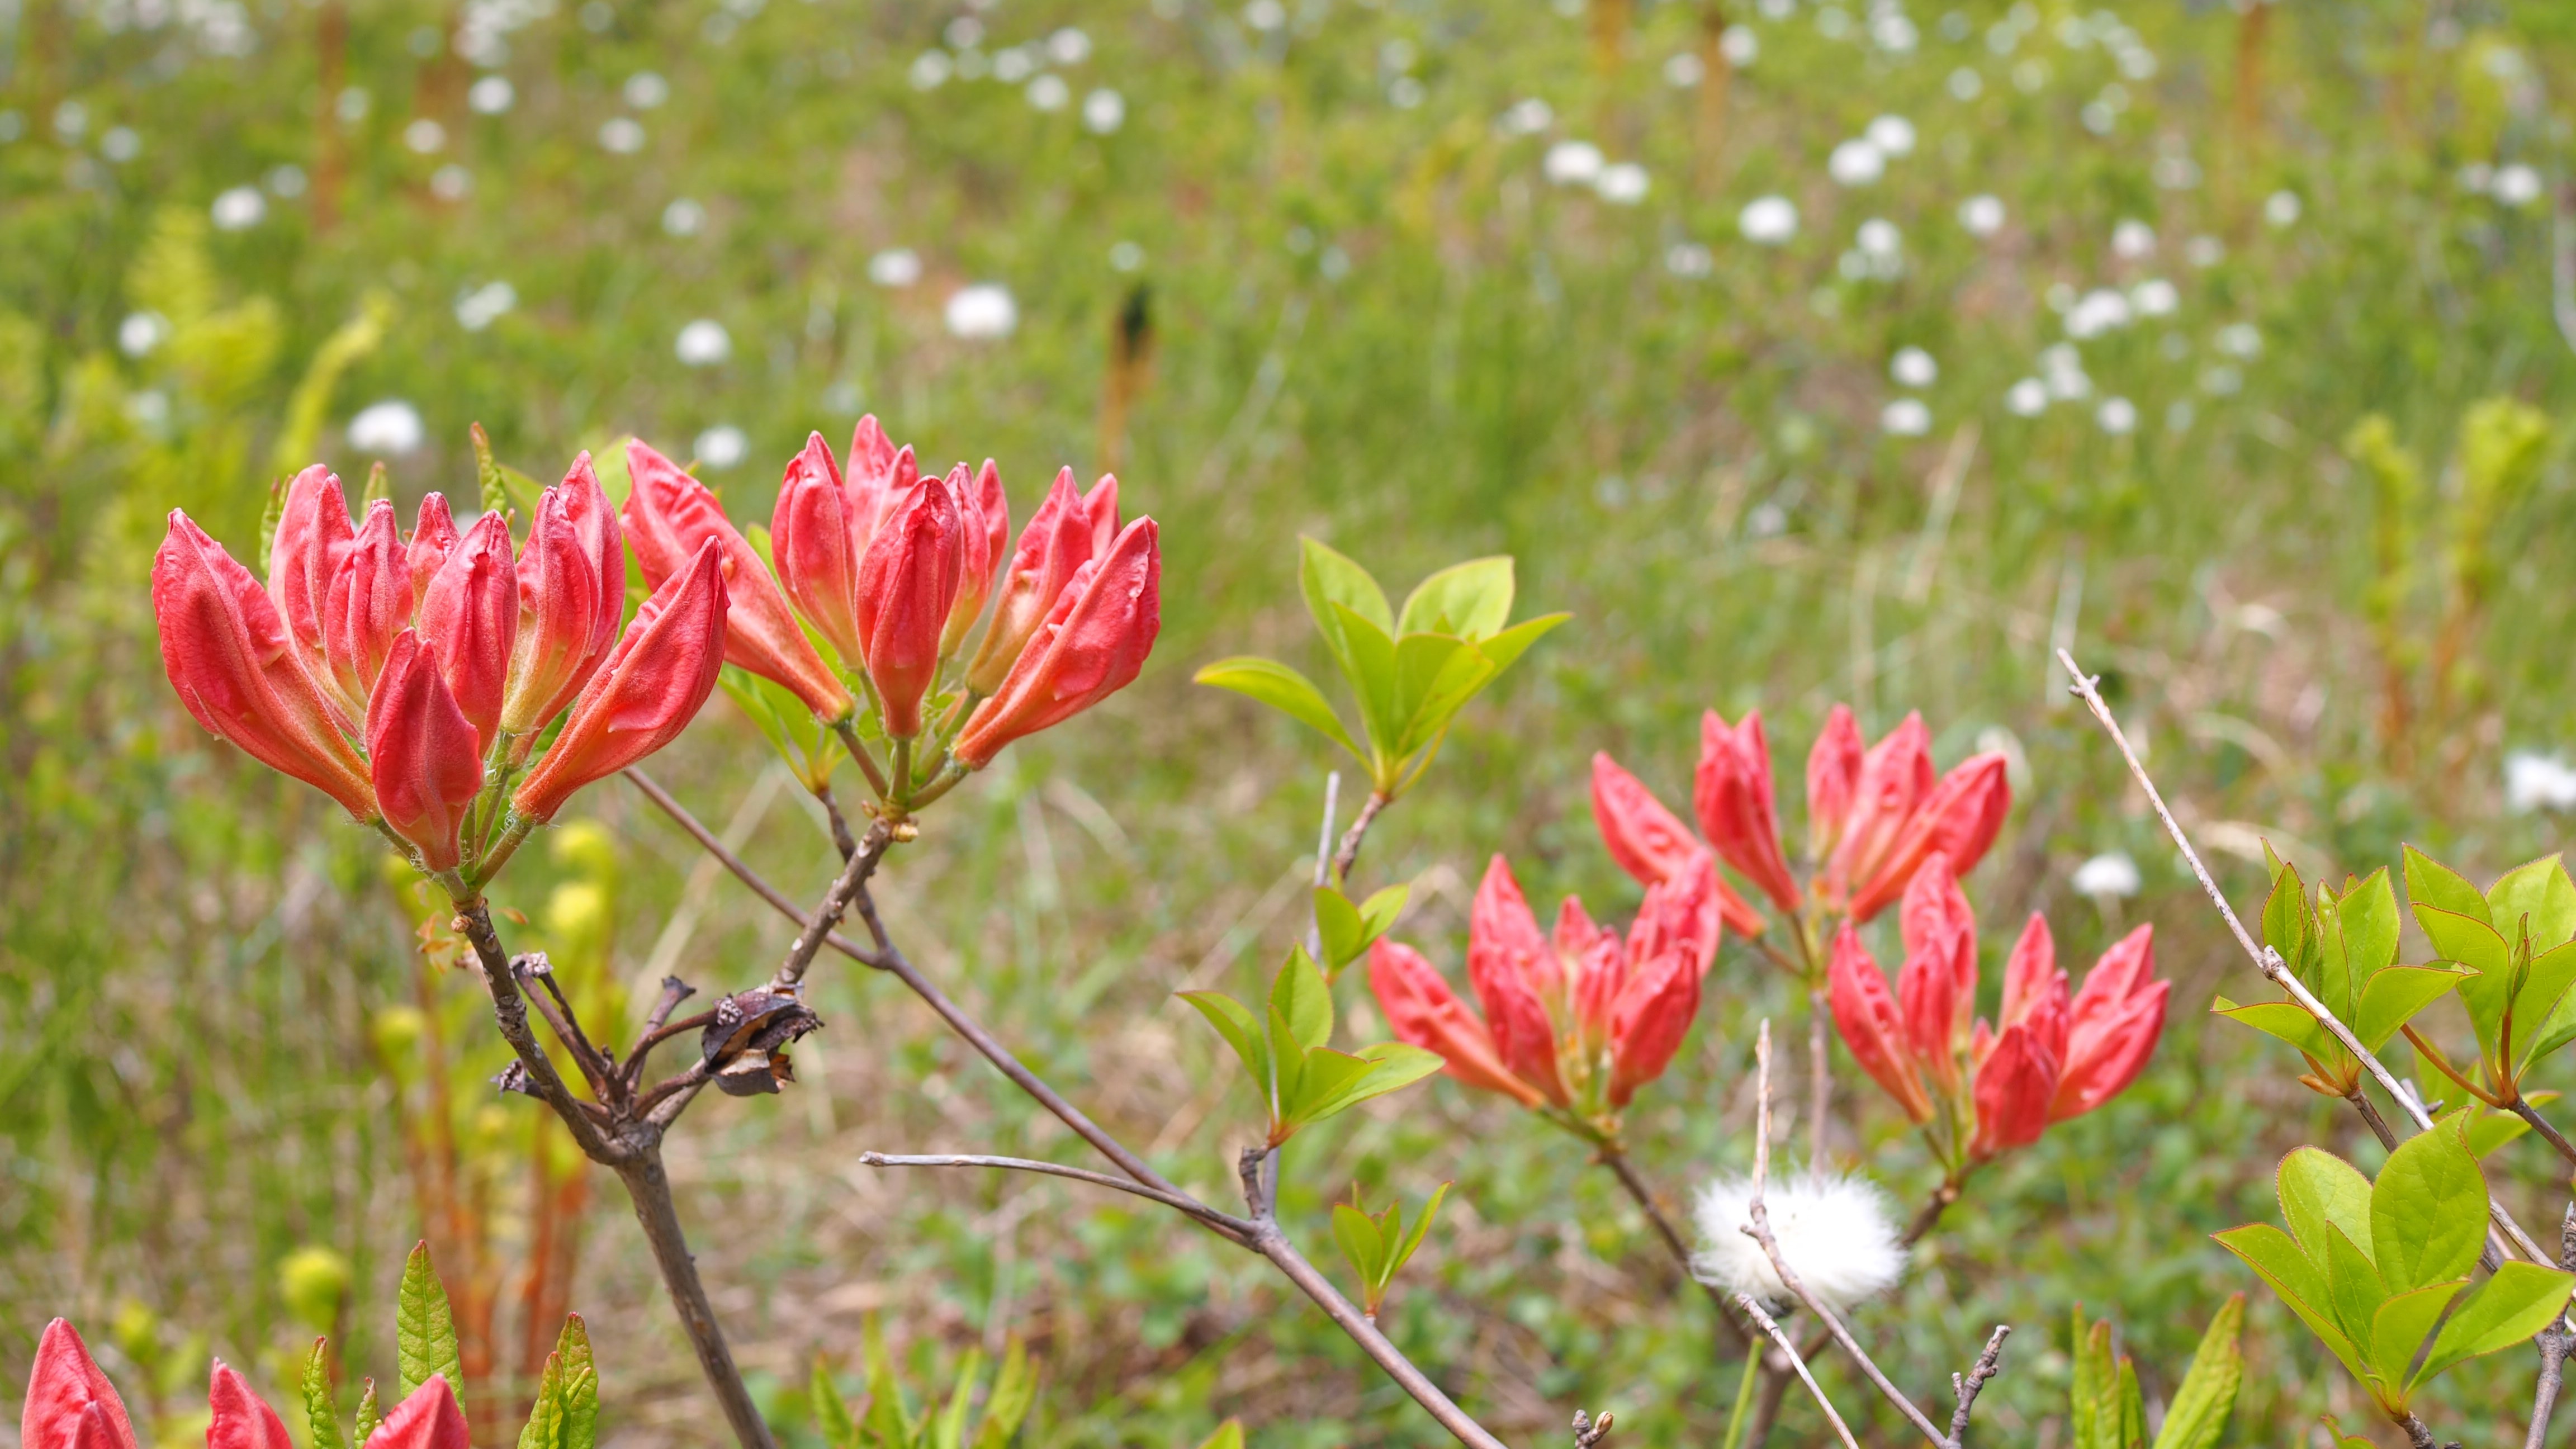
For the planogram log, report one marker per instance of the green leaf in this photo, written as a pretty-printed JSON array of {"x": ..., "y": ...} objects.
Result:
[
  {"x": 2133, "y": 1409},
  {"x": 2489, "y": 1130},
  {"x": 1283, "y": 689},
  {"x": 831, "y": 1411},
  {"x": 1379, "y": 911},
  {"x": 2286, "y": 1020},
  {"x": 949, "y": 1430},
  {"x": 1435, "y": 677},
  {"x": 1228, "y": 1435},
  {"x": 1301, "y": 998},
  {"x": 1421, "y": 1227},
  {"x": 2540, "y": 890},
  {"x": 1288, "y": 1076},
  {"x": 2544, "y": 994},
  {"x": 368, "y": 1414},
  {"x": 885, "y": 1419},
  {"x": 1363, "y": 1246},
  {"x": 544, "y": 1429},
  {"x": 2197, "y": 1415},
  {"x": 2431, "y": 883},
  {"x": 2318, "y": 1188},
  {"x": 2288, "y": 925},
  {"x": 2398, "y": 1334},
  {"x": 2428, "y": 1211},
  {"x": 1324, "y": 1076},
  {"x": 2473, "y": 943},
  {"x": 1471, "y": 600},
  {"x": 2342, "y": 1440},
  {"x": 2276, "y": 1259},
  {"x": 1330, "y": 580},
  {"x": 424, "y": 1330},
  {"x": 580, "y": 1385},
  {"x": 1392, "y": 1067},
  {"x": 2367, "y": 913},
  {"x": 1506, "y": 648},
  {"x": 2392, "y": 998},
  {"x": 2353, "y": 1284},
  {"x": 1338, "y": 928},
  {"x": 1242, "y": 1030},
  {"x": 1368, "y": 662},
  {"x": 2557, "y": 1030},
  {"x": 321, "y": 1405},
  {"x": 1015, "y": 1389},
  {"x": 2519, "y": 1301},
  {"x": 2092, "y": 1411}
]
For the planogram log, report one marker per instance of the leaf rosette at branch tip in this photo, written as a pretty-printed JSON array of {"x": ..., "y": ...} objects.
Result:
[
  {"x": 884, "y": 1416},
  {"x": 1378, "y": 1245},
  {"x": 1410, "y": 672},
  {"x": 1285, "y": 1050},
  {"x": 2106, "y": 1410}
]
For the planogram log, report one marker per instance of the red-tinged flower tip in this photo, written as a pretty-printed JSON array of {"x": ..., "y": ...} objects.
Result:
[
  {"x": 572, "y": 589},
  {"x": 2013, "y": 1088},
  {"x": 239, "y": 671},
  {"x": 1054, "y": 546},
  {"x": 1731, "y": 793},
  {"x": 1101, "y": 503},
  {"x": 1682, "y": 913},
  {"x": 669, "y": 516},
  {"x": 433, "y": 538},
  {"x": 655, "y": 681},
  {"x": 1937, "y": 985},
  {"x": 1958, "y": 818},
  {"x": 1422, "y": 1011},
  {"x": 428, "y": 1419},
  {"x": 1092, "y": 645},
  {"x": 313, "y": 535},
  {"x": 2113, "y": 1026},
  {"x": 1651, "y": 844},
  {"x": 907, "y": 584},
  {"x": 1833, "y": 780},
  {"x": 816, "y": 543},
  {"x": 1866, "y": 1014},
  {"x": 1895, "y": 775},
  {"x": 1668, "y": 950},
  {"x": 880, "y": 475},
  {"x": 1516, "y": 974},
  {"x": 2031, "y": 977},
  {"x": 370, "y": 601},
  {"x": 239, "y": 1417},
  {"x": 422, "y": 753},
  {"x": 984, "y": 541},
  {"x": 70, "y": 1404},
  {"x": 470, "y": 620}
]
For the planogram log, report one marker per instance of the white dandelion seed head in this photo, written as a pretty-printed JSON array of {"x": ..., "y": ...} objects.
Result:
[
  {"x": 1982, "y": 215},
  {"x": 722, "y": 446},
  {"x": 491, "y": 95},
  {"x": 1624, "y": 184},
  {"x": 1768, "y": 220},
  {"x": 390, "y": 428},
  {"x": 1893, "y": 135},
  {"x": 895, "y": 267},
  {"x": 1683, "y": 70},
  {"x": 2281, "y": 209},
  {"x": 1857, "y": 162},
  {"x": 239, "y": 209},
  {"x": 2133, "y": 240},
  {"x": 1103, "y": 111},
  {"x": 1838, "y": 1233},
  {"x": 2027, "y": 398},
  {"x": 1913, "y": 367},
  {"x": 2517, "y": 185},
  {"x": 2538, "y": 782},
  {"x": 2117, "y": 415},
  {"x": 2112, "y": 875},
  {"x": 1573, "y": 163},
  {"x": 1906, "y": 417},
  {"x": 982, "y": 312},
  {"x": 703, "y": 343},
  {"x": 2155, "y": 297}
]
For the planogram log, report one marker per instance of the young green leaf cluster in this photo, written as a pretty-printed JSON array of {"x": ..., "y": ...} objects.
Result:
[
  {"x": 1411, "y": 672},
  {"x": 1286, "y": 1050},
  {"x": 2107, "y": 1412},
  {"x": 2517, "y": 943},
  {"x": 2380, "y": 1271},
  {"x": 1377, "y": 1245},
  {"x": 882, "y": 1420},
  {"x": 1346, "y": 929}
]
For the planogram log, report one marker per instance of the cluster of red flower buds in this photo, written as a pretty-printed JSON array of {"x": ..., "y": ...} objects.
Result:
[
  {"x": 1575, "y": 1020},
  {"x": 891, "y": 567},
  {"x": 402, "y": 675},
  {"x": 1981, "y": 1090},
  {"x": 71, "y": 1405}
]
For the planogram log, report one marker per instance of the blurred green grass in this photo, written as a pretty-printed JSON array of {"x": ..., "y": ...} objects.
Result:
[{"x": 1376, "y": 321}]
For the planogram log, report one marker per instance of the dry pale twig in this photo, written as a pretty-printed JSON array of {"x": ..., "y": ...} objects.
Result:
[
  {"x": 1177, "y": 1202},
  {"x": 1763, "y": 1321}
]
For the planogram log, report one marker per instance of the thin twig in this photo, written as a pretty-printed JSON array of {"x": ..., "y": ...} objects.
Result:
[
  {"x": 2522, "y": 1108},
  {"x": 842, "y": 840},
  {"x": 742, "y": 871},
  {"x": 1349, "y": 853},
  {"x": 2266, "y": 960},
  {"x": 1621, "y": 1168},
  {"x": 1930, "y": 1213},
  {"x": 1176, "y": 1201},
  {"x": 551, "y": 1004},
  {"x": 650, "y": 1189},
  {"x": 658, "y": 1035},
  {"x": 1966, "y": 1388},
  {"x": 1588, "y": 1431},
  {"x": 2555, "y": 1342},
  {"x": 1324, "y": 859},
  {"x": 510, "y": 1014},
  {"x": 1760, "y": 1232},
  {"x": 853, "y": 880},
  {"x": 1820, "y": 1079},
  {"x": 1763, "y": 1321}
]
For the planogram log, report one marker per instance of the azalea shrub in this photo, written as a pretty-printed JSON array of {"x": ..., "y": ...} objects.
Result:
[{"x": 453, "y": 688}]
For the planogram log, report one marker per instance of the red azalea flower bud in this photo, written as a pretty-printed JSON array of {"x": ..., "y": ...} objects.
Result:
[
  {"x": 470, "y": 620},
  {"x": 2013, "y": 1090},
  {"x": 1651, "y": 844},
  {"x": 1102, "y": 504},
  {"x": 1647, "y": 1024},
  {"x": 816, "y": 543},
  {"x": 422, "y": 753},
  {"x": 907, "y": 584},
  {"x": 428, "y": 1419},
  {"x": 240, "y": 1418},
  {"x": 239, "y": 671},
  {"x": 1871, "y": 1025},
  {"x": 1056, "y": 543},
  {"x": 70, "y": 1404},
  {"x": 1422, "y": 1011},
  {"x": 1833, "y": 780},
  {"x": 1092, "y": 645},
  {"x": 370, "y": 601},
  {"x": 2112, "y": 1026},
  {"x": 1515, "y": 973},
  {"x": 984, "y": 521},
  {"x": 668, "y": 517},
  {"x": 1937, "y": 986},
  {"x": 313, "y": 535},
  {"x": 433, "y": 538},
  {"x": 572, "y": 588},
  {"x": 881, "y": 474},
  {"x": 653, "y": 684},
  {"x": 1894, "y": 777},
  {"x": 1732, "y": 796},
  {"x": 1959, "y": 818}
]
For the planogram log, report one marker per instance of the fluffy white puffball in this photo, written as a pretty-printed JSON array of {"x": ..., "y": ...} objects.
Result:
[{"x": 1838, "y": 1233}]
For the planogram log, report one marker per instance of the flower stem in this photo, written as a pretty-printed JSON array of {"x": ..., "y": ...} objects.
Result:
[{"x": 1742, "y": 1416}]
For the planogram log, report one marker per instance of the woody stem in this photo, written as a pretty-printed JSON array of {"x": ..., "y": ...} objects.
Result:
[{"x": 858, "y": 748}]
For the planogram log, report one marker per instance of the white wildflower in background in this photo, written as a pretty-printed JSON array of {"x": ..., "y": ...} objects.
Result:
[
  {"x": 2108, "y": 876},
  {"x": 2240, "y": 339},
  {"x": 721, "y": 447},
  {"x": 2538, "y": 782},
  {"x": 1683, "y": 70},
  {"x": 982, "y": 312},
  {"x": 2097, "y": 312},
  {"x": 425, "y": 136},
  {"x": 2204, "y": 251},
  {"x": 644, "y": 90},
  {"x": 1572, "y": 163},
  {"x": 1857, "y": 162},
  {"x": 621, "y": 135},
  {"x": 685, "y": 216},
  {"x": 1913, "y": 367},
  {"x": 1623, "y": 185},
  {"x": 2117, "y": 415},
  {"x": 1739, "y": 45},
  {"x": 1049, "y": 93},
  {"x": 239, "y": 209},
  {"x": 895, "y": 267},
  {"x": 2132, "y": 240},
  {"x": 1768, "y": 220},
  {"x": 451, "y": 183},
  {"x": 2027, "y": 398},
  {"x": 2281, "y": 209},
  {"x": 1689, "y": 259},
  {"x": 1103, "y": 111},
  {"x": 1126, "y": 256},
  {"x": 1966, "y": 84},
  {"x": 931, "y": 69},
  {"x": 481, "y": 306},
  {"x": 141, "y": 332},
  {"x": 120, "y": 144},
  {"x": 703, "y": 343},
  {"x": 387, "y": 429},
  {"x": 1068, "y": 47},
  {"x": 1982, "y": 215},
  {"x": 1892, "y": 135},
  {"x": 2155, "y": 297},
  {"x": 286, "y": 180},
  {"x": 1526, "y": 118},
  {"x": 2517, "y": 185},
  {"x": 1838, "y": 1234},
  {"x": 491, "y": 95},
  {"x": 1906, "y": 418}
]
